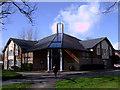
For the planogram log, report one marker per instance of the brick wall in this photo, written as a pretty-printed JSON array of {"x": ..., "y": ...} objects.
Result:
[
  {"x": 40, "y": 60},
  {"x": 69, "y": 61}
]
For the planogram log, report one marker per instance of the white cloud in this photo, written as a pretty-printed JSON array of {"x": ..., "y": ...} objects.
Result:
[
  {"x": 116, "y": 45},
  {"x": 79, "y": 19}
]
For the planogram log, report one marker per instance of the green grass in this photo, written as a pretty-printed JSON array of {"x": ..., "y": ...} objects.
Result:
[
  {"x": 90, "y": 82},
  {"x": 16, "y": 86},
  {"x": 10, "y": 75}
]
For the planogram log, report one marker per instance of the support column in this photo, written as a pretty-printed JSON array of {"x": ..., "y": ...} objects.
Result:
[
  {"x": 60, "y": 59},
  {"x": 51, "y": 59},
  {"x": 48, "y": 57}
]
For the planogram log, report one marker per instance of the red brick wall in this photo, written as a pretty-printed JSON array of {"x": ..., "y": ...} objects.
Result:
[
  {"x": 39, "y": 56},
  {"x": 69, "y": 61}
]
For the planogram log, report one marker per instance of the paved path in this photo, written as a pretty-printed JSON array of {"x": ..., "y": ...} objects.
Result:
[{"x": 47, "y": 80}]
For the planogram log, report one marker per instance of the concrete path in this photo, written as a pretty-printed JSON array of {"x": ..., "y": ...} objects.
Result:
[{"x": 47, "y": 80}]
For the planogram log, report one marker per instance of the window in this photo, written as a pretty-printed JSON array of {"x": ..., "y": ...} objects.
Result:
[
  {"x": 98, "y": 51},
  {"x": 16, "y": 50},
  {"x": 6, "y": 53},
  {"x": 11, "y": 53},
  {"x": 25, "y": 54},
  {"x": 104, "y": 52},
  {"x": 12, "y": 63},
  {"x": 16, "y": 62},
  {"x": 85, "y": 55},
  {"x": 56, "y": 41},
  {"x": 110, "y": 51},
  {"x": 29, "y": 54}
]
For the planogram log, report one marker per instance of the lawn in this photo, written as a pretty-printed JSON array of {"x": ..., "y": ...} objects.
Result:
[
  {"x": 111, "y": 81},
  {"x": 16, "y": 86},
  {"x": 10, "y": 75}
]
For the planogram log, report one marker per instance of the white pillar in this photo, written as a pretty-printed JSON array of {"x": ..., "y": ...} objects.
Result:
[
  {"x": 51, "y": 59},
  {"x": 48, "y": 56},
  {"x": 60, "y": 59}
]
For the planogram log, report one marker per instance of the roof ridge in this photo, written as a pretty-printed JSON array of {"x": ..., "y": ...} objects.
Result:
[
  {"x": 73, "y": 36},
  {"x": 94, "y": 39},
  {"x": 22, "y": 39}
]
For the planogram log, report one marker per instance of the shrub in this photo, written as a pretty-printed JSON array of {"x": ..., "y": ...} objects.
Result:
[{"x": 27, "y": 66}]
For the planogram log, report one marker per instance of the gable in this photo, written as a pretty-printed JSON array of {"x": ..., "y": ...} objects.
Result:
[
  {"x": 91, "y": 43},
  {"x": 11, "y": 45}
]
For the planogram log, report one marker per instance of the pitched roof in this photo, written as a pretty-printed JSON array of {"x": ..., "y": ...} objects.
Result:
[
  {"x": 24, "y": 44},
  {"x": 64, "y": 41},
  {"x": 43, "y": 43},
  {"x": 71, "y": 42},
  {"x": 92, "y": 42}
]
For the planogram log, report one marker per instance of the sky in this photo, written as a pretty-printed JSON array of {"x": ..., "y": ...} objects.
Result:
[{"x": 81, "y": 20}]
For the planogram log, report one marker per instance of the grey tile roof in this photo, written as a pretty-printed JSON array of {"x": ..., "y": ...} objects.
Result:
[
  {"x": 92, "y": 42},
  {"x": 43, "y": 43},
  {"x": 24, "y": 44},
  {"x": 71, "y": 42},
  {"x": 65, "y": 41},
  {"x": 68, "y": 42}
]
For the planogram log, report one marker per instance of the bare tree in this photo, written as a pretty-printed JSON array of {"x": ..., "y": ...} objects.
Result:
[
  {"x": 22, "y": 35},
  {"x": 111, "y": 7},
  {"x": 36, "y": 34},
  {"x": 9, "y": 7},
  {"x": 30, "y": 34}
]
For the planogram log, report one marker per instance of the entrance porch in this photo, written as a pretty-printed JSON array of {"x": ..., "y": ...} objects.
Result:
[{"x": 46, "y": 59}]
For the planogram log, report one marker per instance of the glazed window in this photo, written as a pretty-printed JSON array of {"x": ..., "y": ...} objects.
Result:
[
  {"x": 16, "y": 50},
  {"x": 16, "y": 62},
  {"x": 110, "y": 51},
  {"x": 85, "y": 55},
  {"x": 25, "y": 54},
  {"x": 98, "y": 51},
  {"x": 29, "y": 54},
  {"x": 11, "y": 53},
  {"x": 12, "y": 63},
  {"x": 6, "y": 53}
]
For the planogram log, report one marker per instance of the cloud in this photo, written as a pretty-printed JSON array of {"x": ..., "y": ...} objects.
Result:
[
  {"x": 116, "y": 45},
  {"x": 79, "y": 19}
]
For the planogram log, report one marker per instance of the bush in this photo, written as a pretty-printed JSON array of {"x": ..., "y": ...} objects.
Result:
[
  {"x": 92, "y": 67},
  {"x": 27, "y": 66}
]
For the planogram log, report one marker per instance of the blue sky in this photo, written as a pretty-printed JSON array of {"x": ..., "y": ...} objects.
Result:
[{"x": 74, "y": 16}]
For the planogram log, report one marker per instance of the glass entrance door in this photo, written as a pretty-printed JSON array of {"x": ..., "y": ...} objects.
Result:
[{"x": 56, "y": 57}]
